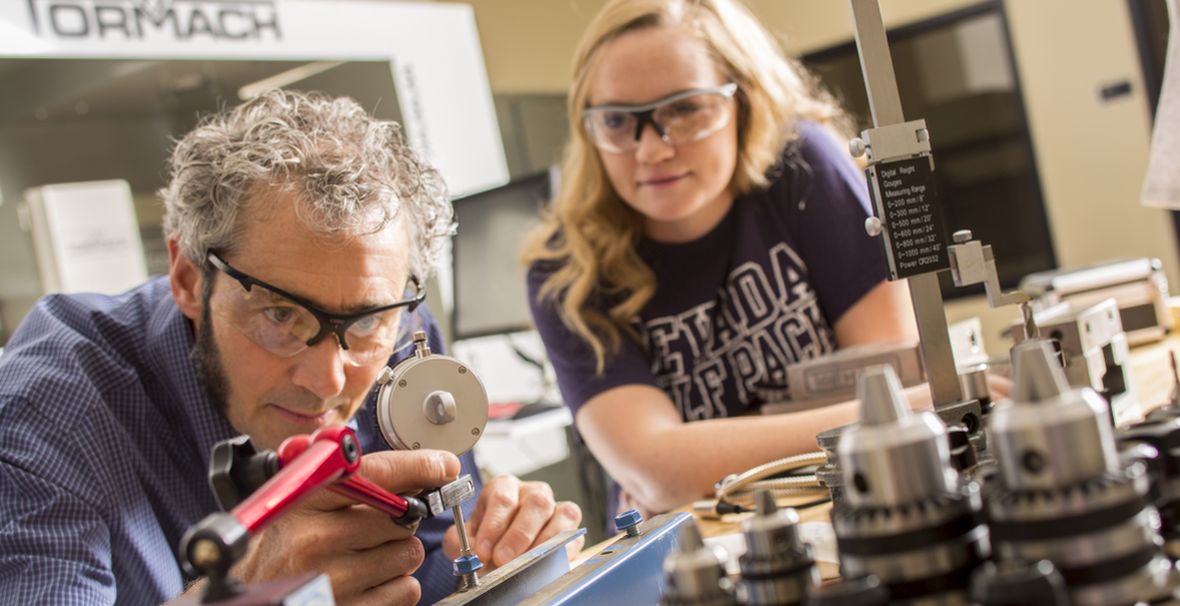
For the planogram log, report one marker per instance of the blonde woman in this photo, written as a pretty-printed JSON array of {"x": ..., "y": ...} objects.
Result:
[{"x": 708, "y": 232}]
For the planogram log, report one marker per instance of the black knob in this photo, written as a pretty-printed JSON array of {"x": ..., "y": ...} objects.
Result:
[{"x": 237, "y": 469}]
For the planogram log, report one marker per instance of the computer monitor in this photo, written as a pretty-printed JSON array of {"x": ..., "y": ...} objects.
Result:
[{"x": 489, "y": 281}]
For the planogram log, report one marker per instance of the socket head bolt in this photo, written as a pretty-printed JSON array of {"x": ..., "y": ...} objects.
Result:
[
  {"x": 962, "y": 236},
  {"x": 628, "y": 522}
]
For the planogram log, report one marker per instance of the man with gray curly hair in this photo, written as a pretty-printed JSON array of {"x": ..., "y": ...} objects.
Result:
[{"x": 301, "y": 232}]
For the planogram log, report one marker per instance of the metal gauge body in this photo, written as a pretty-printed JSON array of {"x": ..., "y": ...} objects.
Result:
[{"x": 431, "y": 401}]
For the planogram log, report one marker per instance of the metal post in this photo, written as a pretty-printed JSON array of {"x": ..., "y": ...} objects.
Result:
[{"x": 885, "y": 104}]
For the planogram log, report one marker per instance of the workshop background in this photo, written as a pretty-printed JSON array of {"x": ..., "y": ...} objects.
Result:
[{"x": 1041, "y": 110}]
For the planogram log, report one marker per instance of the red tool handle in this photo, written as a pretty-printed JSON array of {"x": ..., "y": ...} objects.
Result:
[
  {"x": 369, "y": 493},
  {"x": 306, "y": 463},
  {"x": 352, "y": 486},
  {"x": 327, "y": 455}
]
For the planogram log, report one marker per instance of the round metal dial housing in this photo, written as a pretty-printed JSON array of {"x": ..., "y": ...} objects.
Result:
[{"x": 435, "y": 402}]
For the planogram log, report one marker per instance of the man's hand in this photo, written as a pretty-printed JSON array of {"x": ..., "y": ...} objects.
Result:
[
  {"x": 512, "y": 517},
  {"x": 366, "y": 555}
]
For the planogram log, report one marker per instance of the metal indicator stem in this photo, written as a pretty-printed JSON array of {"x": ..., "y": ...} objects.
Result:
[
  {"x": 885, "y": 104},
  {"x": 469, "y": 580}
]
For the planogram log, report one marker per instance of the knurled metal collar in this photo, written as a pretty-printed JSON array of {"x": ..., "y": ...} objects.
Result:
[
  {"x": 916, "y": 516},
  {"x": 1129, "y": 484}
]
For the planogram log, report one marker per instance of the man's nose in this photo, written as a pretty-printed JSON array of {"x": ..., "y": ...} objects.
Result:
[{"x": 320, "y": 368}]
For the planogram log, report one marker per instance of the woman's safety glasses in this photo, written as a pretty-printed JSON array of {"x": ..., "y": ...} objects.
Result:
[
  {"x": 285, "y": 324},
  {"x": 681, "y": 118}
]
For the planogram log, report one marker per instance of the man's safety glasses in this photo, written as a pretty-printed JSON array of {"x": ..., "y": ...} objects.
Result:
[
  {"x": 681, "y": 118},
  {"x": 285, "y": 324}
]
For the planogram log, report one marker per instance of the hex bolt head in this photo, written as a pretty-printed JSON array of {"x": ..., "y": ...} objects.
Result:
[
  {"x": 628, "y": 522},
  {"x": 466, "y": 564}
]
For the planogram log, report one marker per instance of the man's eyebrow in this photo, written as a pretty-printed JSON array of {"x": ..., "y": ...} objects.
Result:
[
  {"x": 366, "y": 305},
  {"x": 354, "y": 308}
]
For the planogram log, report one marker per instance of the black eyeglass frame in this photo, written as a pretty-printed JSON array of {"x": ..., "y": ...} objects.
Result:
[
  {"x": 330, "y": 323},
  {"x": 645, "y": 114}
]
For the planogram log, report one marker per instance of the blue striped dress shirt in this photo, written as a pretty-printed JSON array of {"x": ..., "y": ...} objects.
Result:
[{"x": 105, "y": 434}]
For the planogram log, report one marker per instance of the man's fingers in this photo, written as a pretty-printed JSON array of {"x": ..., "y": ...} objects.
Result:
[
  {"x": 566, "y": 516},
  {"x": 356, "y": 527},
  {"x": 363, "y": 551},
  {"x": 532, "y": 514},
  {"x": 404, "y": 470},
  {"x": 357, "y": 573},
  {"x": 499, "y": 501},
  {"x": 402, "y": 591},
  {"x": 395, "y": 471},
  {"x": 573, "y": 549}
]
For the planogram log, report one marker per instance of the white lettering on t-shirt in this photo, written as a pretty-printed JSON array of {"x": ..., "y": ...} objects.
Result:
[{"x": 724, "y": 353}]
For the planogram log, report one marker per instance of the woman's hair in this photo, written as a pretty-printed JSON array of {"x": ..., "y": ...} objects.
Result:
[
  {"x": 589, "y": 232},
  {"x": 353, "y": 175}
]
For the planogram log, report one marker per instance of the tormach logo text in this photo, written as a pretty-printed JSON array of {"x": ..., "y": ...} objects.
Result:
[{"x": 230, "y": 20}]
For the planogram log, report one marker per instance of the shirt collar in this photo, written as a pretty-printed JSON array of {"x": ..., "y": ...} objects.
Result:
[{"x": 170, "y": 344}]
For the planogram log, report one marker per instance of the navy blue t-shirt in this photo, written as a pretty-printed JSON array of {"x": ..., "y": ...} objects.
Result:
[{"x": 733, "y": 308}]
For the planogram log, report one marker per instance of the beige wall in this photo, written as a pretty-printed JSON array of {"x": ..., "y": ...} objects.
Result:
[
  {"x": 1091, "y": 154},
  {"x": 528, "y": 44}
]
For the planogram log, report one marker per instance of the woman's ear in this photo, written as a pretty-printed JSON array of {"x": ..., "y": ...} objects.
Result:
[{"x": 186, "y": 281}]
